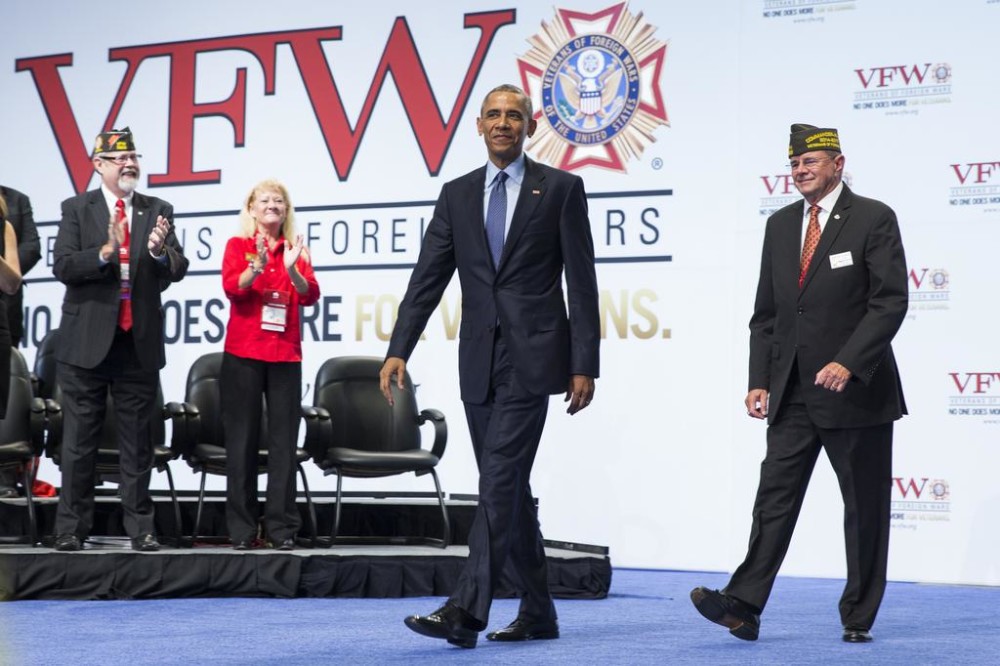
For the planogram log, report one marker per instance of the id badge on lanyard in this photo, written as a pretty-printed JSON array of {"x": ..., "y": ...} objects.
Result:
[
  {"x": 274, "y": 313},
  {"x": 123, "y": 267}
]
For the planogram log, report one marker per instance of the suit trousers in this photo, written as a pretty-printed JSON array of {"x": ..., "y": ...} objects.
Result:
[
  {"x": 243, "y": 384},
  {"x": 505, "y": 538},
  {"x": 84, "y": 403},
  {"x": 862, "y": 460}
]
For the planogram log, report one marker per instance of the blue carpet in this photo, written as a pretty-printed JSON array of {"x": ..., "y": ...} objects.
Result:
[{"x": 647, "y": 619}]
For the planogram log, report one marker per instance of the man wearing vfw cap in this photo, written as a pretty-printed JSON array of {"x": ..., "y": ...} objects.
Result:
[
  {"x": 115, "y": 252},
  {"x": 832, "y": 294}
]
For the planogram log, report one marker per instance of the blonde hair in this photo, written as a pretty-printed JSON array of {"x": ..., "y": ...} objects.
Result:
[
  {"x": 3, "y": 207},
  {"x": 248, "y": 225}
]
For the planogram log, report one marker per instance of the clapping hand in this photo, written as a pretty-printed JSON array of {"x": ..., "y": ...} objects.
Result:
[
  {"x": 116, "y": 232},
  {"x": 293, "y": 252},
  {"x": 158, "y": 235},
  {"x": 261, "y": 252},
  {"x": 116, "y": 236}
]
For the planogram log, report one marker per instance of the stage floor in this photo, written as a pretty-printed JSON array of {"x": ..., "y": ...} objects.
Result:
[{"x": 107, "y": 568}]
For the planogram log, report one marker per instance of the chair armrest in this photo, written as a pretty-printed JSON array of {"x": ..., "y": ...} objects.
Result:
[
  {"x": 311, "y": 412},
  {"x": 182, "y": 419},
  {"x": 319, "y": 432},
  {"x": 174, "y": 409},
  {"x": 53, "y": 428},
  {"x": 37, "y": 426},
  {"x": 440, "y": 430}
]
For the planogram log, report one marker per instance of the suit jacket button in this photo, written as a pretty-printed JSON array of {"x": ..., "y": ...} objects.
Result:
[{"x": 801, "y": 310}]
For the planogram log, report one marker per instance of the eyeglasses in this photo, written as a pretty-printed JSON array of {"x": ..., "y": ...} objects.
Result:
[
  {"x": 809, "y": 163},
  {"x": 122, "y": 159}
]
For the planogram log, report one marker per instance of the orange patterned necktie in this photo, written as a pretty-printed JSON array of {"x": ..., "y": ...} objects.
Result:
[
  {"x": 125, "y": 310},
  {"x": 809, "y": 246}
]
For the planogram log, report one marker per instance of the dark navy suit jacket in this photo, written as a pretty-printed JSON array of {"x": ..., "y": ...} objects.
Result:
[{"x": 549, "y": 335}]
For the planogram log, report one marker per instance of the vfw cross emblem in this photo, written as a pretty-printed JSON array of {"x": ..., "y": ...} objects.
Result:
[{"x": 595, "y": 82}]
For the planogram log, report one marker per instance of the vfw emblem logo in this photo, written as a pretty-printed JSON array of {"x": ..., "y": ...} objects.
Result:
[{"x": 595, "y": 82}]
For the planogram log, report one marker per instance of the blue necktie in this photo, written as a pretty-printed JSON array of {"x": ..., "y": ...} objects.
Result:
[{"x": 496, "y": 217}]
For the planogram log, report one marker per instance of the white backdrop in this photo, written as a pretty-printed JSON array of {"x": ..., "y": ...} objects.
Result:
[{"x": 365, "y": 112}]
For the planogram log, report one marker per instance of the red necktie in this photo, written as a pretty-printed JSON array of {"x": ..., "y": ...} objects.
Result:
[
  {"x": 809, "y": 246},
  {"x": 125, "y": 311}
]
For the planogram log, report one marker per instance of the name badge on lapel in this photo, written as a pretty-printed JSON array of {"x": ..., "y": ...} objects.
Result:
[
  {"x": 841, "y": 260},
  {"x": 274, "y": 313}
]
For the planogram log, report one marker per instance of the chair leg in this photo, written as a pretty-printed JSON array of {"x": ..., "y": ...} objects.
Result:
[
  {"x": 29, "y": 479},
  {"x": 177, "y": 506},
  {"x": 201, "y": 502},
  {"x": 336, "y": 511},
  {"x": 446, "y": 539},
  {"x": 309, "y": 504}
]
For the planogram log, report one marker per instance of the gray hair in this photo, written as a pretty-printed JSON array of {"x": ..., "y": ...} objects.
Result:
[{"x": 511, "y": 88}]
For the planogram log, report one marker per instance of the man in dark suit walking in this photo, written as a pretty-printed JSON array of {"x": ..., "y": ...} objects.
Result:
[
  {"x": 115, "y": 252},
  {"x": 832, "y": 295},
  {"x": 29, "y": 251},
  {"x": 516, "y": 347}
]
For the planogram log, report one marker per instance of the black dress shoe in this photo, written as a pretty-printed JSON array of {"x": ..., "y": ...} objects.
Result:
[
  {"x": 67, "y": 543},
  {"x": 146, "y": 543},
  {"x": 7, "y": 492},
  {"x": 742, "y": 620},
  {"x": 243, "y": 544},
  {"x": 526, "y": 630},
  {"x": 450, "y": 623},
  {"x": 286, "y": 544},
  {"x": 855, "y": 635}
]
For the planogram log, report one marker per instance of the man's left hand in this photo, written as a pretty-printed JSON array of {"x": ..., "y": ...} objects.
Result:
[
  {"x": 580, "y": 393},
  {"x": 158, "y": 235},
  {"x": 833, "y": 377}
]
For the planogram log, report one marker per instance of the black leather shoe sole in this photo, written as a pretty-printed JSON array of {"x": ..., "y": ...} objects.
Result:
[
  {"x": 146, "y": 544},
  {"x": 464, "y": 638},
  {"x": 520, "y": 631},
  {"x": 712, "y": 607},
  {"x": 67, "y": 543},
  {"x": 530, "y": 634},
  {"x": 857, "y": 636}
]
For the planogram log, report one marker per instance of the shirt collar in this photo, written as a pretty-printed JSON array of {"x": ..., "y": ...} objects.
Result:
[
  {"x": 827, "y": 203},
  {"x": 514, "y": 170},
  {"x": 112, "y": 199}
]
